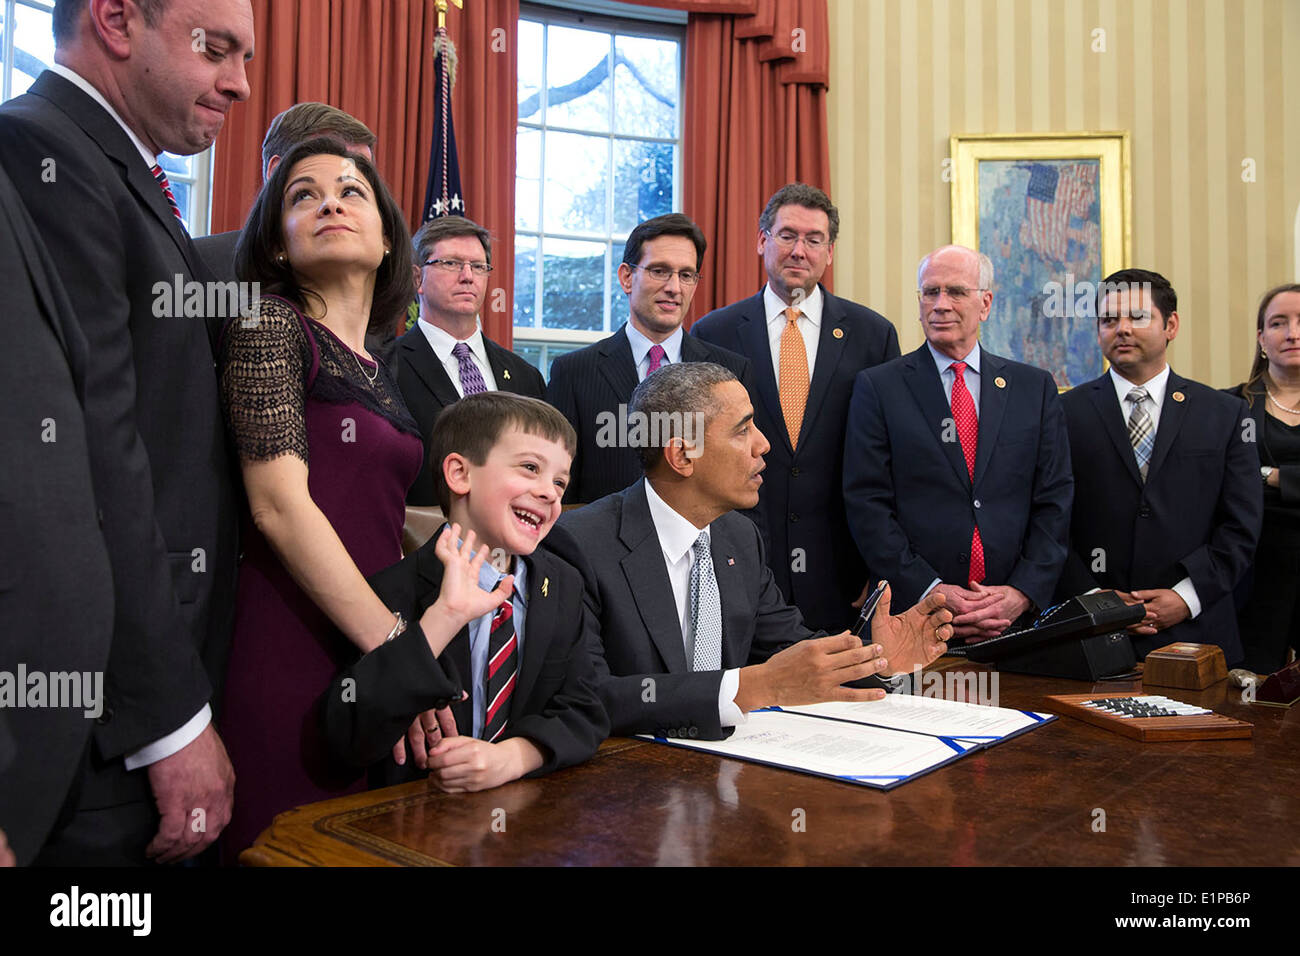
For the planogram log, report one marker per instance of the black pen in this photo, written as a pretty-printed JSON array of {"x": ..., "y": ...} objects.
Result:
[{"x": 868, "y": 608}]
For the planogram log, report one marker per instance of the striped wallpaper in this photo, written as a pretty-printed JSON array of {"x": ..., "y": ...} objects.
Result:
[{"x": 1201, "y": 85}]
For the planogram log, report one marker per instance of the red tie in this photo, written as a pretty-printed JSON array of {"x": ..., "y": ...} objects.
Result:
[
  {"x": 968, "y": 430},
  {"x": 503, "y": 663},
  {"x": 161, "y": 178}
]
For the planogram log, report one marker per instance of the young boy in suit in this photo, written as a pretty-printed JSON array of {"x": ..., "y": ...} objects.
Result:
[{"x": 495, "y": 641}]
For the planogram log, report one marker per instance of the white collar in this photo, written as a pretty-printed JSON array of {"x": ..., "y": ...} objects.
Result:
[
  {"x": 676, "y": 534},
  {"x": 672, "y": 345},
  {"x": 942, "y": 362},
  {"x": 442, "y": 341},
  {"x": 811, "y": 307},
  {"x": 83, "y": 84},
  {"x": 1155, "y": 387}
]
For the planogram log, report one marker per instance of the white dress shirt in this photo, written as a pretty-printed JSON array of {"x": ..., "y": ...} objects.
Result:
[
  {"x": 1155, "y": 386},
  {"x": 442, "y": 342},
  {"x": 676, "y": 538},
  {"x": 809, "y": 325},
  {"x": 184, "y": 735},
  {"x": 641, "y": 350}
]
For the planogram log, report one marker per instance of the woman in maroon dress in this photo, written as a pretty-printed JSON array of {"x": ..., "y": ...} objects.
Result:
[{"x": 328, "y": 451}]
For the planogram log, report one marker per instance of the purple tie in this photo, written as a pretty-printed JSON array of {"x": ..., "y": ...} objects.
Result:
[
  {"x": 657, "y": 356},
  {"x": 471, "y": 381}
]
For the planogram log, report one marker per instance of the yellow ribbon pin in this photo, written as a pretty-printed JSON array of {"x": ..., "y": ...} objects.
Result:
[{"x": 546, "y": 583}]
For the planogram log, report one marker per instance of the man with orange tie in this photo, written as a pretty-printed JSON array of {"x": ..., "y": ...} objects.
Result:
[
  {"x": 957, "y": 464},
  {"x": 805, "y": 346}
]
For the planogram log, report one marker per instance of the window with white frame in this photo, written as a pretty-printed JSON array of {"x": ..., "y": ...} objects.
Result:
[
  {"x": 598, "y": 142},
  {"x": 27, "y": 48}
]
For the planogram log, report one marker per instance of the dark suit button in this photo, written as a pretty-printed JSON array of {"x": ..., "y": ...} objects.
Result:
[
  {"x": 681, "y": 732},
  {"x": 99, "y": 513},
  {"x": 977, "y": 502},
  {"x": 1144, "y": 511},
  {"x": 672, "y": 731},
  {"x": 105, "y": 717},
  {"x": 694, "y": 731},
  {"x": 962, "y": 556},
  {"x": 793, "y": 517},
  {"x": 794, "y": 472}
]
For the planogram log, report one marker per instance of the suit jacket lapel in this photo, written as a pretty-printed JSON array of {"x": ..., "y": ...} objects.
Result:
[
  {"x": 539, "y": 623},
  {"x": 1101, "y": 392},
  {"x": 429, "y": 582},
  {"x": 1172, "y": 413},
  {"x": 618, "y": 368},
  {"x": 95, "y": 121},
  {"x": 730, "y": 584},
  {"x": 498, "y": 362},
  {"x": 830, "y": 348},
  {"x": 420, "y": 355},
  {"x": 755, "y": 342},
  {"x": 993, "y": 404},
  {"x": 922, "y": 380},
  {"x": 647, "y": 579}
]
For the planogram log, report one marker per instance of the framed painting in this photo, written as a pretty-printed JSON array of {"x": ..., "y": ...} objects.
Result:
[{"x": 1053, "y": 212}]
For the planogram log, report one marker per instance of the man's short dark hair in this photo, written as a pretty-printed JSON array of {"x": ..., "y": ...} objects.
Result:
[
  {"x": 472, "y": 427},
  {"x": 448, "y": 227},
  {"x": 263, "y": 239},
  {"x": 304, "y": 121},
  {"x": 800, "y": 194},
  {"x": 1162, "y": 293},
  {"x": 673, "y": 224},
  {"x": 667, "y": 397},
  {"x": 66, "y": 13}
]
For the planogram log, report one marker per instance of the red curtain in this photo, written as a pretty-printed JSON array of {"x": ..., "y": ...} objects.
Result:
[
  {"x": 756, "y": 78},
  {"x": 374, "y": 59}
]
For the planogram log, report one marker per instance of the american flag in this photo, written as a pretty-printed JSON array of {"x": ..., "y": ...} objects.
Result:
[
  {"x": 442, "y": 195},
  {"x": 1054, "y": 196}
]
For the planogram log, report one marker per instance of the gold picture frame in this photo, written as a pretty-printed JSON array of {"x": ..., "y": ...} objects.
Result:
[{"x": 1054, "y": 213}]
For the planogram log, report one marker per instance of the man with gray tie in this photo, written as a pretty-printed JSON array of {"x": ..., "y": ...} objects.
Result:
[{"x": 693, "y": 632}]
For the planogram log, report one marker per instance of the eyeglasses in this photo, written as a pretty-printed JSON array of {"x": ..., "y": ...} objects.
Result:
[
  {"x": 956, "y": 293},
  {"x": 1139, "y": 321},
  {"x": 663, "y": 274},
  {"x": 788, "y": 240},
  {"x": 456, "y": 265}
]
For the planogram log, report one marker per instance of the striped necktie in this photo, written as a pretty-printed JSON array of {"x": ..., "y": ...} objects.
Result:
[
  {"x": 502, "y": 666},
  {"x": 161, "y": 178},
  {"x": 1141, "y": 430}
]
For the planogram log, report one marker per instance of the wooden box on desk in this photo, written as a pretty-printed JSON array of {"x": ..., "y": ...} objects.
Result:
[{"x": 1190, "y": 666}]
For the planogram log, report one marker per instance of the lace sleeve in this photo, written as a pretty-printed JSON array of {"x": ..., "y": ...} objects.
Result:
[{"x": 264, "y": 363}]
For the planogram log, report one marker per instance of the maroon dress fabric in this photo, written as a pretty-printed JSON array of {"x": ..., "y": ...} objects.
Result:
[{"x": 291, "y": 387}]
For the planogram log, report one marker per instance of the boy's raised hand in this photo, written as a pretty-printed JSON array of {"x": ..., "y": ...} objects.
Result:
[{"x": 460, "y": 597}]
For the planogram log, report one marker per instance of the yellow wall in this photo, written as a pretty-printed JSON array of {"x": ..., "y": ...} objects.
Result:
[{"x": 1200, "y": 84}]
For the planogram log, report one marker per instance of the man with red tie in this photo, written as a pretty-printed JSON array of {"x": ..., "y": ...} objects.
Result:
[{"x": 957, "y": 466}]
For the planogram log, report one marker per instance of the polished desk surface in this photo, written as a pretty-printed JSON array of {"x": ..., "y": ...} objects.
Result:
[{"x": 1032, "y": 800}]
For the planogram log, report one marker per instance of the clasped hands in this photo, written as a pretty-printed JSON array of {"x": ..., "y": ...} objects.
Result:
[
  {"x": 982, "y": 611},
  {"x": 1164, "y": 609}
]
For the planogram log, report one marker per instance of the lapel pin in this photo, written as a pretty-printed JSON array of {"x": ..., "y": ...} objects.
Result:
[
  {"x": 1179, "y": 396},
  {"x": 838, "y": 333},
  {"x": 505, "y": 373},
  {"x": 546, "y": 584},
  {"x": 1000, "y": 382},
  {"x": 731, "y": 562}
]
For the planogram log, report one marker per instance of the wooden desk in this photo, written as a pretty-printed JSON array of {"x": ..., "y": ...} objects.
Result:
[{"x": 1029, "y": 801}]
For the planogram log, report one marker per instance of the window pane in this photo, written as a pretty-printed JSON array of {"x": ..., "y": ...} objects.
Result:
[
  {"x": 617, "y": 297},
  {"x": 525, "y": 279},
  {"x": 530, "y": 71},
  {"x": 573, "y": 284},
  {"x": 33, "y": 46},
  {"x": 176, "y": 166},
  {"x": 182, "y": 193},
  {"x": 643, "y": 182},
  {"x": 577, "y": 67},
  {"x": 528, "y": 177},
  {"x": 645, "y": 86},
  {"x": 577, "y": 172}
]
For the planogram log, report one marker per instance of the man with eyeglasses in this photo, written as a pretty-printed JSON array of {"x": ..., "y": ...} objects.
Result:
[
  {"x": 445, "y": 355},
  {"x": 957, "y": 468},
  {"x": 659, "y": 274},
  {"x": 1168, "y": 503},
  {"x": 806, "y": 346}
]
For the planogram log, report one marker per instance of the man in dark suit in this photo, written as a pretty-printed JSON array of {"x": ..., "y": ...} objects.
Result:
[
  {"x": 445, "y": 355},
  {"x": 1168, "y": 499},
  {"x": 693, "y": 632},
  {"x": 957, "y": 471},
  {"x": 79, "y": 147},
  {"x": 297, "y": 124},
  {"x": 805, "y": 347},
  {"x": 660, "y": 269},
  {"x": 56, "y": 587}
]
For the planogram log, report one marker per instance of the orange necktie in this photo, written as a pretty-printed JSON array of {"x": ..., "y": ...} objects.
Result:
[{"x": 793, "y": 385}]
